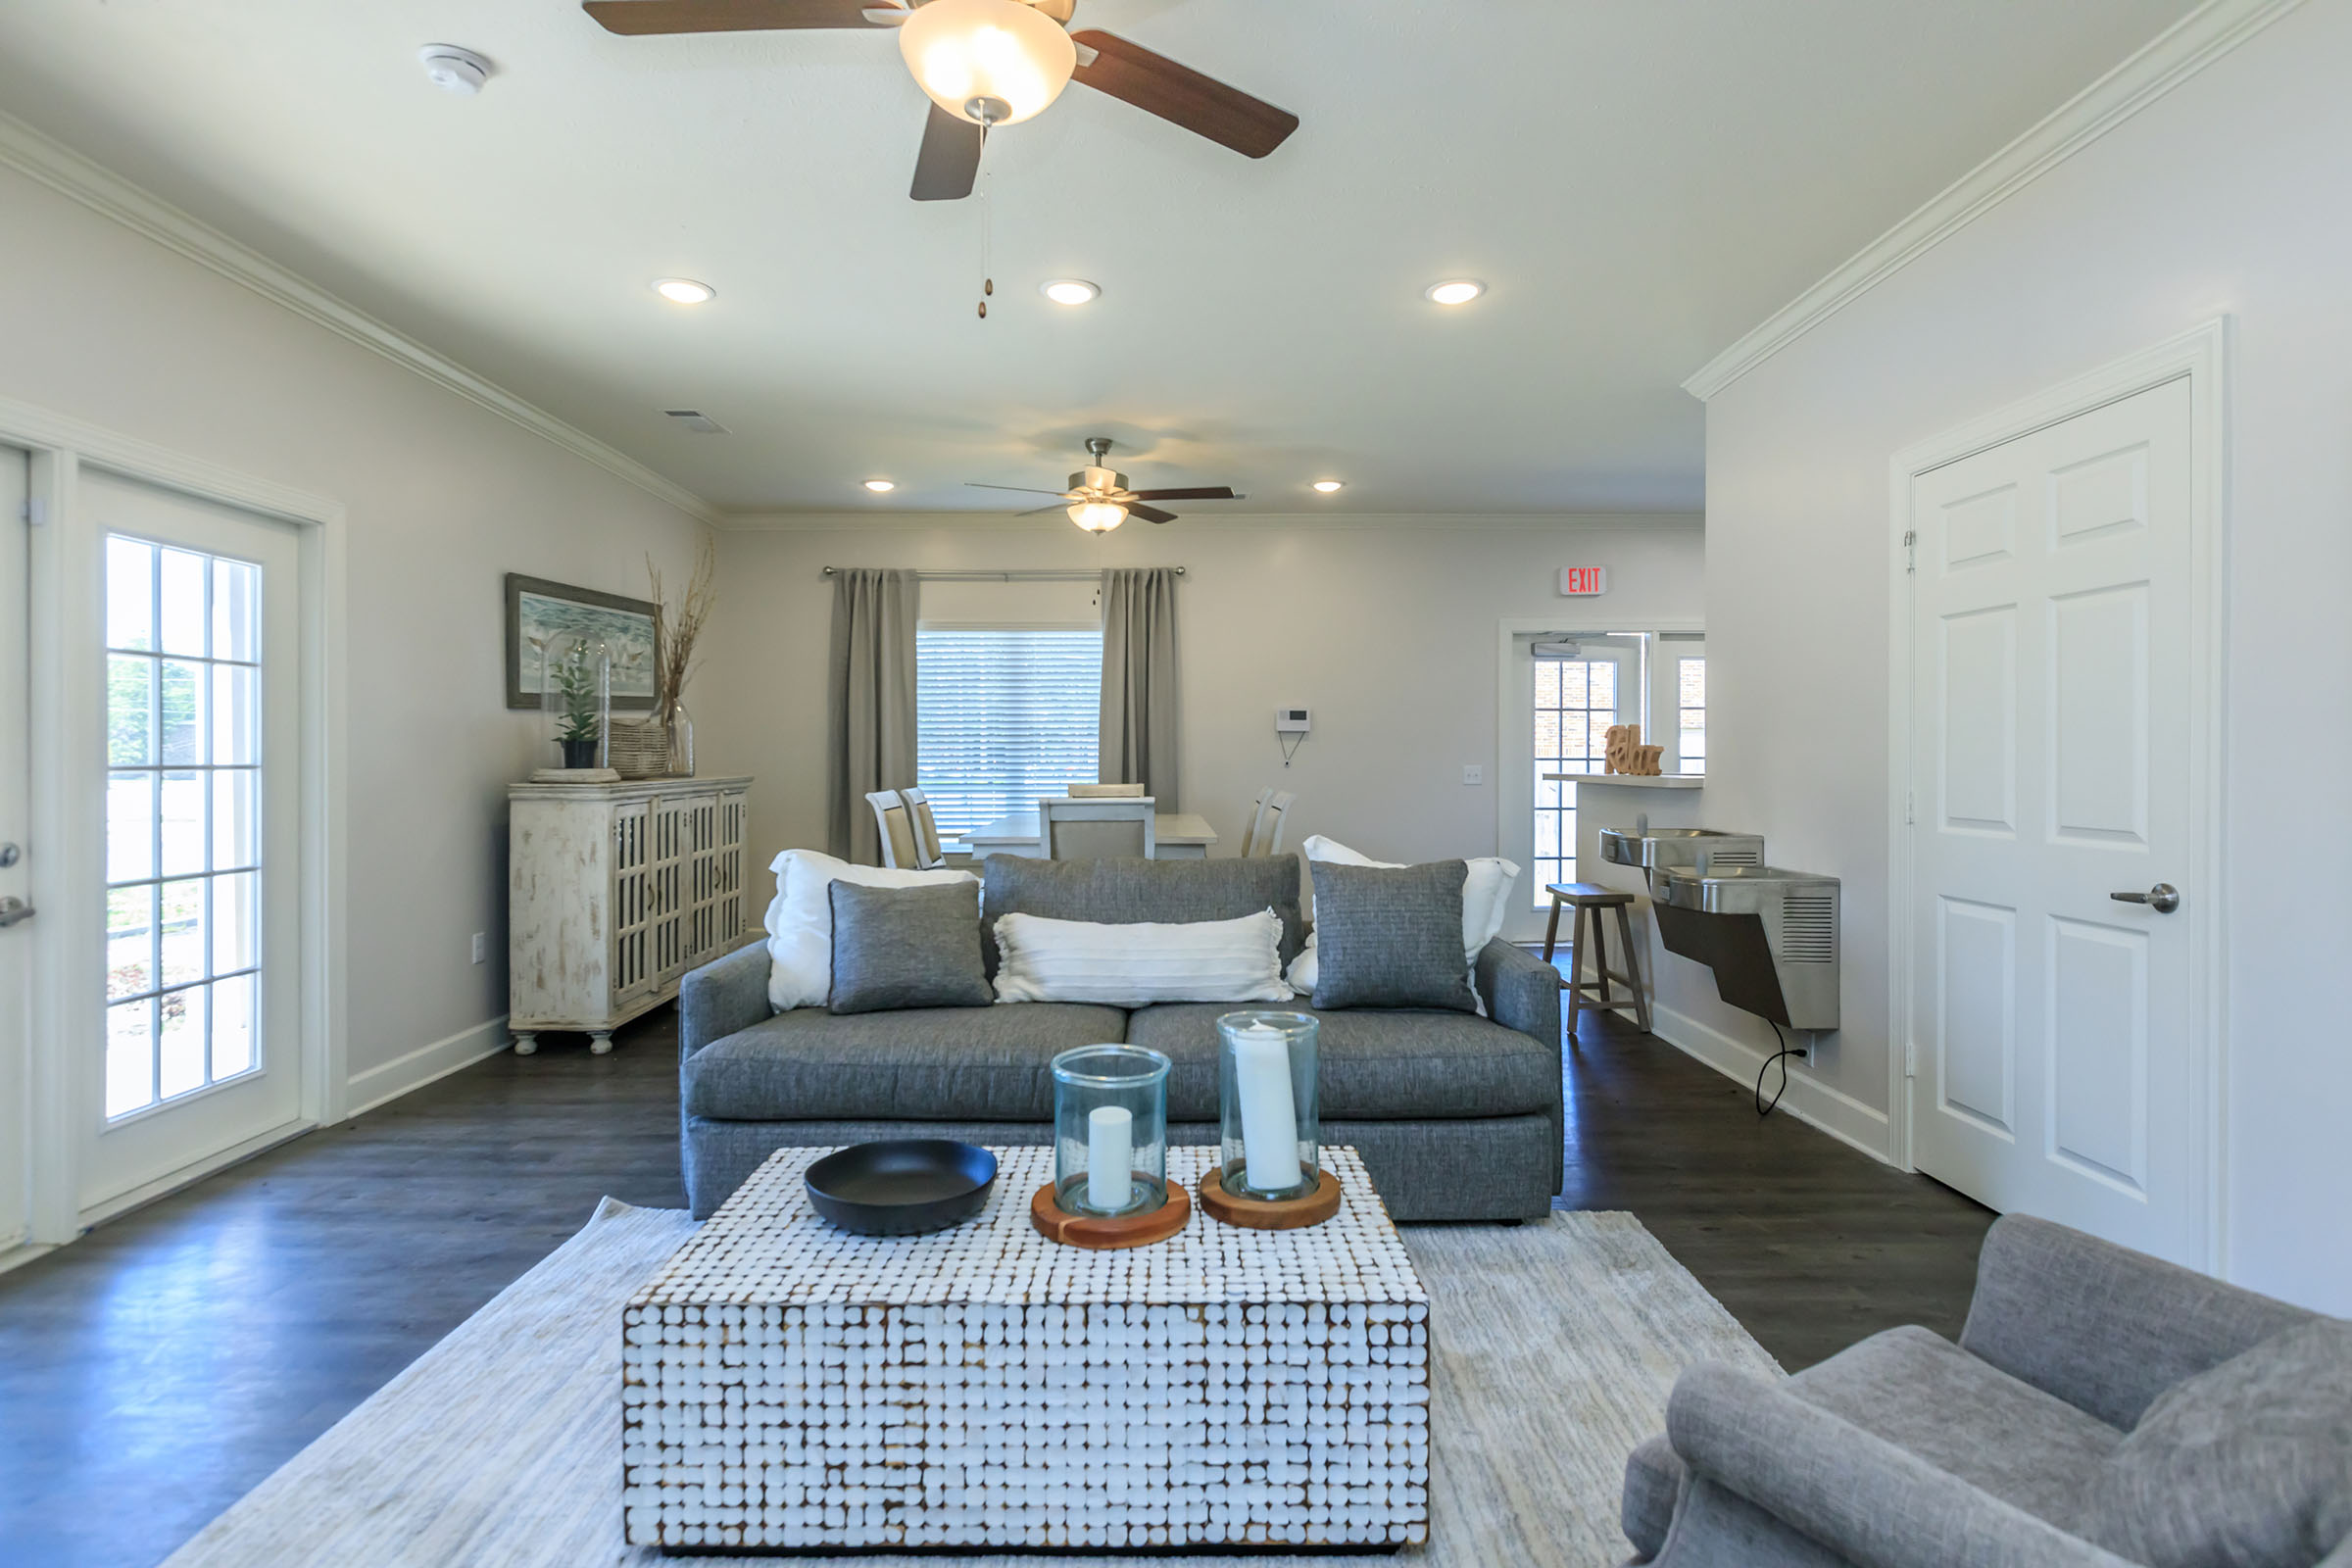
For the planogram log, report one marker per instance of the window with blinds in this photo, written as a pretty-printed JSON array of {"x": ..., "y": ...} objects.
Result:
[{"x": 1003, "y": 715}]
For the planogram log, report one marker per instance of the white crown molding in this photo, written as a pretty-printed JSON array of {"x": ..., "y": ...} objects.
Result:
[
  {"x": 2174, "y": 55},
  {"x": 1199, "y": 521},
  {"x": 103, "y": 191}
]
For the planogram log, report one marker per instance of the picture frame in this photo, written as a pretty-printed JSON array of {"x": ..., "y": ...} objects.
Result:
[{"x": 537, "y": 609}]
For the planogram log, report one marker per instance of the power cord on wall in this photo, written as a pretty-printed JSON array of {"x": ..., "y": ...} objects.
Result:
[
  {"x": 1289, "y": 746},
  {"x": 1782, "y": 1056}
]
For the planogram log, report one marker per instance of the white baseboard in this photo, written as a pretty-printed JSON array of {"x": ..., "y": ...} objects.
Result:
[
  {"x": 402, "y": 1075},
  {"x": 1808, "y": 1100},
  {"x": 19, "y": 1254}
]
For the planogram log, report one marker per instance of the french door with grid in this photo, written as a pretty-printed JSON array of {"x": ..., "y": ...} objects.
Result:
[
  {"x": 200, "y": 1050},
  {"x": 1562, "y": 714}
]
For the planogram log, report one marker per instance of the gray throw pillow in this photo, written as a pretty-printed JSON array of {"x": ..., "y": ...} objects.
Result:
[
  {"x": 1391, "y": 937},
  {"x": 896, "y": 948},
  {"x": 2246, "y": 1465}
]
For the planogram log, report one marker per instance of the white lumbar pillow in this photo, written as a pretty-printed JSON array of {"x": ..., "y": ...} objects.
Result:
[
  {"x": 1486, "y": 902},
  {"x": 800, "y": 920},
  {"x": 1136, "y": 965}
]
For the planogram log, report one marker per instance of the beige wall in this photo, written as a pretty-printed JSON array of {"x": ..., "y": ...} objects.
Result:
[
  {"x": 443, "y": 497},
  {"x": 2225, "y": 197},
  {"x": 1385, "y": 627}
]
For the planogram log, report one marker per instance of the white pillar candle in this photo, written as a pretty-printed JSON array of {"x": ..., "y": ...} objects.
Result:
[
  {"x": 1109, "y": 1159},
  {"x": 1261, "y": 1078}
]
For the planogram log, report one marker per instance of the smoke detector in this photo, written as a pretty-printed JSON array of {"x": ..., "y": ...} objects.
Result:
[{"x": 454, "y": 70}]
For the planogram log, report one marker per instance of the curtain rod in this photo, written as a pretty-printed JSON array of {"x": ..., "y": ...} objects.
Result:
[{"x": 1037, "y": 574}]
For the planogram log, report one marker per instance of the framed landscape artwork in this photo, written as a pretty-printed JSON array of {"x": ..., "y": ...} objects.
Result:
[{"x": 542, "y": 616}]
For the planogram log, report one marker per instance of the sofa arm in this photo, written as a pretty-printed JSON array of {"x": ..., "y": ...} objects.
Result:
[
  {"x": 1872, "y": 1503},
  {"x": 1521, "y": 990},
  {"x": 723, "y": 997},
  {"x": 2100, "y": 1326}
]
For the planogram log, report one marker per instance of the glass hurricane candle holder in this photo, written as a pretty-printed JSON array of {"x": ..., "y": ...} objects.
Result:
[
  {"x": 1271, "y": 1136},
  {"x": 1110, "y": 1130}
]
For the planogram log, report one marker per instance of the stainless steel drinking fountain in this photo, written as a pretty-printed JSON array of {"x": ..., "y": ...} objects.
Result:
[
  {"x": 1656, "y": 848},
  {"x": 1771, "y": 936}
]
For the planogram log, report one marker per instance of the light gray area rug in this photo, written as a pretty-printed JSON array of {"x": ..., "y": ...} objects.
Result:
[{"x": 1556, "y": 1344}]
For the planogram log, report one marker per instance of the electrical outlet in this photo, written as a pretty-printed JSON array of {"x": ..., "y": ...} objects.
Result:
[
  {"x": 481, "y": 947},
  {"x": 1473, "y": 773}
]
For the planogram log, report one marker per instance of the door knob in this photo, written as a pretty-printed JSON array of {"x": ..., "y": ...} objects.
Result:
[
  {"x": 2163, "y": 898},
  {"x": 12, "y": 910}
]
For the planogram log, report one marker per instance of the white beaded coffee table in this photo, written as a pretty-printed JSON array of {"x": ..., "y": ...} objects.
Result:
[{"x": 789, "y": 1387}]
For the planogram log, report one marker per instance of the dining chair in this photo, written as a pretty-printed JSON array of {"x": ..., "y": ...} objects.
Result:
[
  {"x": 1265, "y": 835},
  {"x": 1105, "y": 792},
  {"x": 898, "y": 842},
  {"x": 1258, "y": 814},
  {"x": 1096, "y": 829},
  {"x": 926, "y": 830}
]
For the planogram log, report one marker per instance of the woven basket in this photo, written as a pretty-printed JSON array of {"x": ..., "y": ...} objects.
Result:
[{"x": 639, "y": 750}]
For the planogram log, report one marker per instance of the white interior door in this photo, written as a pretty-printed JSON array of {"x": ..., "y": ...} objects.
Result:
[
  {"x": 2058, "y": 1073},
  {"x": 15, "y": 936},
  {"x": 1564, "y": 709},
  {"x": 200, "y": 782}
]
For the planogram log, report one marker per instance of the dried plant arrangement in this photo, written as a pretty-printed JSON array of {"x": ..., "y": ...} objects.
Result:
[{"x": 675, "y": 633}]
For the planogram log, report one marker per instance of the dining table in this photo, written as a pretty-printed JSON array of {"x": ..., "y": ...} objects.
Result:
[{"x": 1180, "y": 836}]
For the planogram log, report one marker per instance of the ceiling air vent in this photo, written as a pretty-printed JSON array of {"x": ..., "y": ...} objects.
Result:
[{"x": 697, "y": 420}]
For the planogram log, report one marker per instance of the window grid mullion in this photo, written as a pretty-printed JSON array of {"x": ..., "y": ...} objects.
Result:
[{"x": 155, "y": 819}]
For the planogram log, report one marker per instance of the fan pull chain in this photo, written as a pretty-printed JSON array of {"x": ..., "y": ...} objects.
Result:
[{"x": 988, "y": 223}]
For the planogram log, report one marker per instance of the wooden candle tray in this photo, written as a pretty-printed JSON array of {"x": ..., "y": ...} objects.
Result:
[{"x": 1264, "y": 1214}]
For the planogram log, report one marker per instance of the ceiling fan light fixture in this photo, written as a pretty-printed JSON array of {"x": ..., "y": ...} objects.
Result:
[
  {"x": 1455, "y": 291},
  {"x": 993, "y": 62},
  {"x": 1330, "y": 487},
  {"x": 1071, "y": 291},
  {"x": 881, "y": 487},
  {"x": 1097, "y": 517},
  {"x": 684, "y": 291}
]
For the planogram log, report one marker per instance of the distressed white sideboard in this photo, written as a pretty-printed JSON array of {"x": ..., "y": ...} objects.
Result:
[{"x": 614, "y": 891}]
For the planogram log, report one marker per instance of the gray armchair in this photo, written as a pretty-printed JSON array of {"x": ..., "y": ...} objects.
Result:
[{"x": 1909, "y": 1451}]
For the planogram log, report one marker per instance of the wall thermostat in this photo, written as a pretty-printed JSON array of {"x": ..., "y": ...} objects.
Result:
[{"x": 1290, "y": 721}]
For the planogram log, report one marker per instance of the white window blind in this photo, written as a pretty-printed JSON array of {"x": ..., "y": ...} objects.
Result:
[{"x": 1003, "y": 715}]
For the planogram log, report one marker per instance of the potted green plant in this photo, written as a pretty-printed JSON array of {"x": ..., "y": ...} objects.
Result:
[{"x": 579, "y": 696}]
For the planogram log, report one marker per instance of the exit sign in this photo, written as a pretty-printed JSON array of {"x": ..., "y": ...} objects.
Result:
[{"x": 1579, "y": 582}]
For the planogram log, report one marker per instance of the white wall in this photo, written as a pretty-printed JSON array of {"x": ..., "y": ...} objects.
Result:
[
  {"x": 1385, "y": 626},
  {"x": 443, "y": 497},
  {"x": 2232, "y": 194}
]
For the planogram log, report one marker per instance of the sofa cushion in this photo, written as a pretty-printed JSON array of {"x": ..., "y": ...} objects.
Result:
[
  {"x": 1131, "y": 891},
  {"x": 922, "y": 1065},
  {"x": 1388, "y": 938},
  {"x": 897, "y": 948},
  {"x": 2247, "y": 1464},
  {"x": 1654, "y": 1478},
  {"x": 1382, "y": 1066},
  {"x": 1924, "y": 1394}
]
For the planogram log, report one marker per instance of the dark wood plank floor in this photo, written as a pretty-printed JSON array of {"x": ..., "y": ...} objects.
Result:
[{"x": 156, "y": 1370}]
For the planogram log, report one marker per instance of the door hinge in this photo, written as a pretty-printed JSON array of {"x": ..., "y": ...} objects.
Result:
[
  {"x": 1910, "y": 808},
  {"x": 1911, "y": 550},
  {"x": 35, "y": 510}
]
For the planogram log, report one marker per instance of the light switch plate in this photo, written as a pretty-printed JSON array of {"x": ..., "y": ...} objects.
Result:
[{"x": 1473, "y": 773}]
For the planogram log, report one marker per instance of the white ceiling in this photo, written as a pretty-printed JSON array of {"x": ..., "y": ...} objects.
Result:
[{"x": 1638, "y": 182}]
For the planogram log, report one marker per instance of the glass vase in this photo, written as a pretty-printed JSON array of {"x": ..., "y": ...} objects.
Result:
[
  {"x": 1270, "y": 1134},
  {"x": 1110, "y": 1130},
  {"x": 681, "y": 742}
]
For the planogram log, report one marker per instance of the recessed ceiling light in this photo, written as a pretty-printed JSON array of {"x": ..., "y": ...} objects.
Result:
[
  {"x": 454, "y": 70},
  {"x": 684, "y": 291},
  {"x": 1069, "y": 291},
  {"x": 1455, "y": 291},
  {"x": 878, "y": 486},
  {"x": 1330, "y": 486}
]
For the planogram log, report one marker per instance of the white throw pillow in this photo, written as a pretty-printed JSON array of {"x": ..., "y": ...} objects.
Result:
[
  {"x": 1486, "y": 902},
  {"x": 1136, "y": 965},
  {"x": 800, "y": 920}
]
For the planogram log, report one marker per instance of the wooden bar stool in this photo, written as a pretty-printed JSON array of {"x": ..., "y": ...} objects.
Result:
[{"x": 1589, "y": 902}]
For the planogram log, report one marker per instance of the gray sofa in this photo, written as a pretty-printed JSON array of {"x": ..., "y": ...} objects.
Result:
[
  {"x": 1909, "y": 1451},
  {"x": 1457, "y": 1117}
]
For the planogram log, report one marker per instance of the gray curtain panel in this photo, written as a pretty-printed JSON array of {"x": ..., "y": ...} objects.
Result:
[
  {"x": 1141, "y": 713},
  {"x": 869, "y": 702}
]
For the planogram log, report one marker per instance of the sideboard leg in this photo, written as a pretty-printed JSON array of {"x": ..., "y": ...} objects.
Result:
[
  {"x": 525, "y": 1044},
  {"x": 601, "y": 1044}
]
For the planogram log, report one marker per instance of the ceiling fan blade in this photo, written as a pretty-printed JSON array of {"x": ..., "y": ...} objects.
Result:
[
  {"x": 1181, "y": 95},
  {"x": 950, "y": 159},
  {"x": 638, "y": 19},
  {"x": 1206, "y": 492},
  {"x": 1024, "y": 489},
  {"x": 1039, "y": 512},
  {"x": 1150, "y": 514}
]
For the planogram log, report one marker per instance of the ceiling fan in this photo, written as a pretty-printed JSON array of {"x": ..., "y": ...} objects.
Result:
[
  {"x": 986, "y": 62},
  {"x": 1099, "y": 500}
]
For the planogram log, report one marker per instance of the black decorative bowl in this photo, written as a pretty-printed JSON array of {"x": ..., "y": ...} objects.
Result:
[{"x": 902, "y": 1186}]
